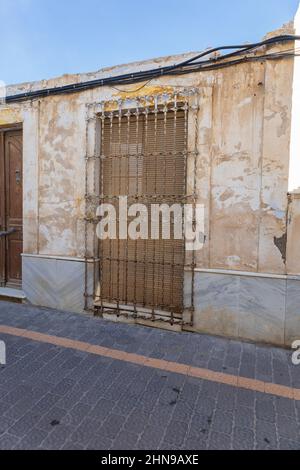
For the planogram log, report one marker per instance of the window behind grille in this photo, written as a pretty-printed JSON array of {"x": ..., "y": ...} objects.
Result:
[{"x": 144, "y": 158}]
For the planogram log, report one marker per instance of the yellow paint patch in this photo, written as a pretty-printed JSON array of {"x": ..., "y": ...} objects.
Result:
[
  {"x": 9, "y": 116},
  {"x": 145, "y": 91},
  {"x": 134, "y": 92}
]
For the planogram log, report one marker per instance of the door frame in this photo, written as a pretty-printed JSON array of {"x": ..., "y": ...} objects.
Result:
[{"x": 3, "y": 246}]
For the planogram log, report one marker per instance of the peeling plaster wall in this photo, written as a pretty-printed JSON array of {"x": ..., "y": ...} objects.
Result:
[
  {"x": 237, "y": 138},
  {"x": 61, "y": 176},
  {"x": 293, "y": 234},
  {"x": 242, "y": 174},
  {"x": 243, "y": 165}
]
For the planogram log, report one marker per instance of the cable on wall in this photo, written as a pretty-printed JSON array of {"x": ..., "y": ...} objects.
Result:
[{"x": 185, "y": 67}]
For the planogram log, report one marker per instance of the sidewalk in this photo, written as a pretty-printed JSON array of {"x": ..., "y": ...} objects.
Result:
[{"x": 140, "y": 388}]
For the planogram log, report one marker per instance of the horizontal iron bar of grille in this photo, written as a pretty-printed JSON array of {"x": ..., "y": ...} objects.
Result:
[
  {"x": 146, "y": 198},
  {"x": 147, "y": 103},
  {"x": 139, "y": 307},
  {"x": 151, "y": 113},
  {"x": 130, "y": 307},
  {"x": 144, "y": 155},
  {"x": 156, "y": 263},
  {"x": 141, "y": 155},
  {"x": 136, "y": 315}
]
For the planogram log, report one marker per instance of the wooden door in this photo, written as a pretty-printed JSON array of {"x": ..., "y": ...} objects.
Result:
[{"x": 11, "y": 208}]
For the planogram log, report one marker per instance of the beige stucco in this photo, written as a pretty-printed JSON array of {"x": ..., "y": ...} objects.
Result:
[
  {"x": 243, "y": 166},
  {"x": 242, "y": 170},
  {"x": 294, "y": 176},
  {"x": 293, "y": 252}
]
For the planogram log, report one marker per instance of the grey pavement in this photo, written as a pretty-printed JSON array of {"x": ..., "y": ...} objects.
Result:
[{"x": 57, "y": 398}]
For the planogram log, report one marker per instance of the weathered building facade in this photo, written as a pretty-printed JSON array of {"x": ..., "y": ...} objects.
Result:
[{"x": 238, "y": 131}]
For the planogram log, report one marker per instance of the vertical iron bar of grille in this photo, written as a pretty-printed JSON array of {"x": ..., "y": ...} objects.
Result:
[
  {"x": 186, "y": 154},
  {"x": 194, "y": 203},
  {"x": 120, "y": 185},
  {"x": 86, "y": 221},
  {"x": 145, "y": 244},
  {"x": 111, "y": 151},
  {"x": 101, "y": 254},
  {"x": 95, "y": 191},
  {"x": 174, "y": 191},
  {"x": 128, "y": 114},
  {"x": 164, "y": 171},
  {"x": 155, "y": 193},
  {"x": 137, "y": 165}
]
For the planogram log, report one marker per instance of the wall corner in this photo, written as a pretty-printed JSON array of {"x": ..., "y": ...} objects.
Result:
[
  {"x": 293, "y": 233},
  {"x": 294, "y": 172}
]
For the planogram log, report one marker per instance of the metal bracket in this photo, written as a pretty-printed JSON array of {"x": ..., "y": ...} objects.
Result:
[{"x": 8, "y": 232}]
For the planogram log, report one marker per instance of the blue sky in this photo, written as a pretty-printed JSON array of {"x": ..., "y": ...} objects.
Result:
[{"x": 45, "y": 38}]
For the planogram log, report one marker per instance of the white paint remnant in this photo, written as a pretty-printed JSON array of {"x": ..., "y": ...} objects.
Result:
[
  {"x": 294, "y": 177},
  {"x": 233, "y": 260},
  {"x": 2, "y": 92},
  {"x": 245, "y": 102}
]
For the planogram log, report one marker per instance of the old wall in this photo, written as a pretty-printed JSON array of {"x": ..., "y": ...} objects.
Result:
[
  {"x": 242, "y": 179},
  {"x": 294, "y": 177},
  {"x": 244, "y": 169},
  {"x": 293, "y": 239}
]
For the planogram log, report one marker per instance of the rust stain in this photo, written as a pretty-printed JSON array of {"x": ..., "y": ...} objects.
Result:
[{"x": 226, "y": 195}]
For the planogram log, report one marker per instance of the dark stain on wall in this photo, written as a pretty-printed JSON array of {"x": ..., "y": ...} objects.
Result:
[{"x": 280, "y": 243}]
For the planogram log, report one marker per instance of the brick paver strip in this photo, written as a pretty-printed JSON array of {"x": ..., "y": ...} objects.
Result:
[{"x": 184, "y": 369}]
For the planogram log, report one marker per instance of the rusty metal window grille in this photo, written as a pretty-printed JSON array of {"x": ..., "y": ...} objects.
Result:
[{"x": 143, "y": 154}]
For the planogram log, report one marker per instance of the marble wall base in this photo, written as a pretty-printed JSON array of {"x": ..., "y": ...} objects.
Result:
[
  {"x": 262, "y": 310},
  {"x": 292, "y": 322},
  {"x": 55, "y": 283}
]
